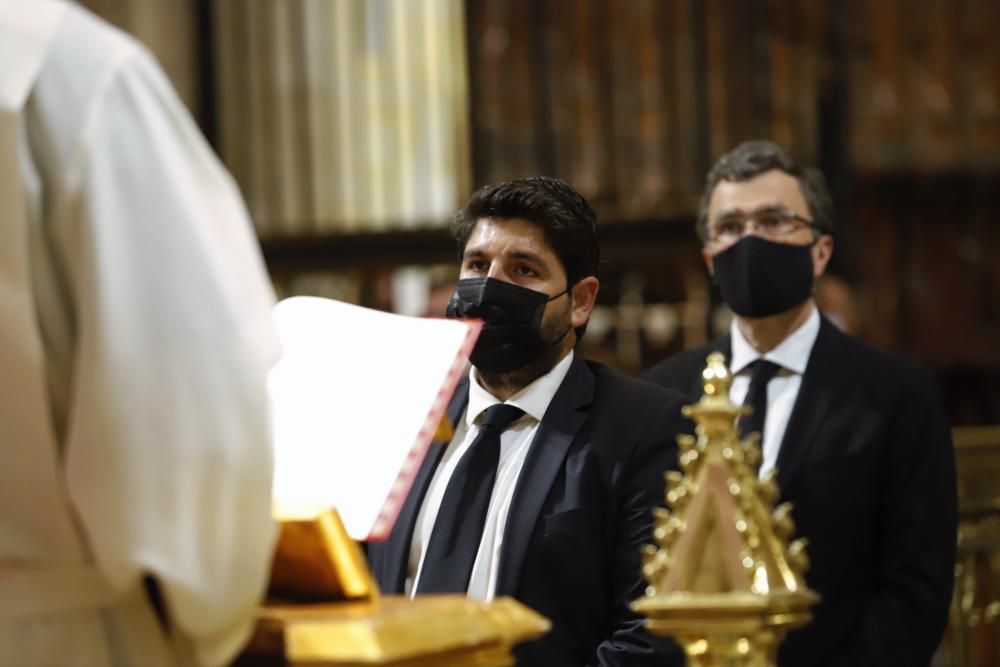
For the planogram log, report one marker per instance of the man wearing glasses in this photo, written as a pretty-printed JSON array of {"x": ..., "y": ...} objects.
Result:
[{"x": 857, "y": 438}]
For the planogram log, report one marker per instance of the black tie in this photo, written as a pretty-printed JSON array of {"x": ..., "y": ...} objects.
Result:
[
  {"x": 458, "y": 527},
  {"x": 763, "y": 372}
]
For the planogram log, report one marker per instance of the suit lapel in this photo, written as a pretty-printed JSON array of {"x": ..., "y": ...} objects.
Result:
[
  {"x": 397, "y": 547},
  {"x": 820, "y": 384},
  {"x": 560, "y": 424},
  {"x": 820, "y": 387},
  {"x": 459, "y": 400}
]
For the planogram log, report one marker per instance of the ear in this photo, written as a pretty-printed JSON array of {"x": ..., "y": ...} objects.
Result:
[
  {"x": 822, "y": 250},
  {"x": 707, "y": 256},
  {"x": 584, "y": 296}
]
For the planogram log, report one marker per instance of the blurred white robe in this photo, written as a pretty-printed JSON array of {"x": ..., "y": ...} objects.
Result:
[{"x": 135, "y": 339}]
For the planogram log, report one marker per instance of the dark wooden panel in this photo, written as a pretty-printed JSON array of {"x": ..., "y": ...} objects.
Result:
[
  {"x": 574, "y": 49},
  {"x": 505, "y": 96},
  {"x": 924, "y": 84},
  {"x": 929, "y": 278},
  {"x": 978, "y": 81},
  {"x": 629, "y": 101}
]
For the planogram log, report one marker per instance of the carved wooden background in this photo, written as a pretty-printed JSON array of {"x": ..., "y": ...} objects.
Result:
[{"x": 897, "y": 100}]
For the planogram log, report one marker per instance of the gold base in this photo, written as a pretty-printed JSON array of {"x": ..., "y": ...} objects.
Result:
[
  {"x": 316, "y": 560},
  {"x": 443, "y": 631},
  {"x": 745, "y": 650}
]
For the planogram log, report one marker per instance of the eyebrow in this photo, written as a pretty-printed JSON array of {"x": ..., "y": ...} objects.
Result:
[
  {"x": 757, "y": 209},
  {"x": 517, "y": 254},
  {"x": 527, "y": 255}
]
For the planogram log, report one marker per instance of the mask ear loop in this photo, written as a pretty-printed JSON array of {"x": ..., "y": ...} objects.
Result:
[
  {"x": 560, "y": 338},
  {"x": 565, "y": 291},
  {"x": 817, "y": 236}
]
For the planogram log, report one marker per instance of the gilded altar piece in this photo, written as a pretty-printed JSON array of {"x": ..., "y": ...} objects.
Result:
[{"x": 723, "y": 577}]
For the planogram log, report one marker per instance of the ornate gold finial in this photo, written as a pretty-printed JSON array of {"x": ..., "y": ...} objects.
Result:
[
  {"x": 722, "y": 576},
  {"x": 716, "y": 377}
]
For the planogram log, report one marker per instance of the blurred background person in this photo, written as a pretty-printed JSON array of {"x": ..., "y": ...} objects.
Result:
[
  {"x": 836, "y": 300},
  {"x": 135, "y": 342}
]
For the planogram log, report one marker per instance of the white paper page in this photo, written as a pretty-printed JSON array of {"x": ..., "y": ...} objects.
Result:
[{"x": 356, "y": 398}]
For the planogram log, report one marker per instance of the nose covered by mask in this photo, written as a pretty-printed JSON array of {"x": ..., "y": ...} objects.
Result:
[
  {"x": 760, "y": 278},
  {"x": 511, "y": 337}
]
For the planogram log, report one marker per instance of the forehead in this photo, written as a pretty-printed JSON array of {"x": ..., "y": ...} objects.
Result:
[
  {"x": 771, "y": 188},
  {"x": 499, "y": 236}
]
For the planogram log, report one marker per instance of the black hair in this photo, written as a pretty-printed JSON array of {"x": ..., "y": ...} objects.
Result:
[{"x": 567, "y": 221}]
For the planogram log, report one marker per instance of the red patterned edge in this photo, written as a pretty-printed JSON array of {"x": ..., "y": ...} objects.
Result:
[{"x": 401, "y": 487}]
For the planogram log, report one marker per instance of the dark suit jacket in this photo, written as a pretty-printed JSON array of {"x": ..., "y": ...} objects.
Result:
[
  {"x": 581, "y": 510},
  {"x": 867, "y": 462}
]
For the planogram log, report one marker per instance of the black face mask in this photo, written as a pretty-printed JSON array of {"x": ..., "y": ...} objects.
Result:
[
  {"x": 511, "y": 337},
  {"x": 760, "y": 278}
]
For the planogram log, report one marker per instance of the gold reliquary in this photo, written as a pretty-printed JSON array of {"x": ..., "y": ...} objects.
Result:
[{"x": 723, "y": 576}]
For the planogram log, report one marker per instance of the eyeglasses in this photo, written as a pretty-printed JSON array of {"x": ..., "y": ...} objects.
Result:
[{"x": 769, "y": 223}]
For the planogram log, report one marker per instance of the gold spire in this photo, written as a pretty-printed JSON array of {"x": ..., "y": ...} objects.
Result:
[{"x": 722, "y": 576}]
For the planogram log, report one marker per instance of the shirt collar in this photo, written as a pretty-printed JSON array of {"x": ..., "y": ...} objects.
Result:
[
  {"x": 533, "y": 399},
  {"x": 791, "y": 353}
]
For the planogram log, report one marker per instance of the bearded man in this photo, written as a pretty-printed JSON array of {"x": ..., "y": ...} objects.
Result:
[{"x": 545, "y": 492}]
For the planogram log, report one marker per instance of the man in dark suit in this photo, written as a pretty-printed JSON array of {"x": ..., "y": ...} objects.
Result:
[
  {"x": 858, "y": 436},
  {"x": 546, "y": 490}
]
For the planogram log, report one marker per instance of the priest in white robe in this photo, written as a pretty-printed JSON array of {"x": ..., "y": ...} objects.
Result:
[{"x": 135, "y": 340}]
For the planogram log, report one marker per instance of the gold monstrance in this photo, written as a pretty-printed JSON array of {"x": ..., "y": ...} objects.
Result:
[{"x": 723, "y": 578}]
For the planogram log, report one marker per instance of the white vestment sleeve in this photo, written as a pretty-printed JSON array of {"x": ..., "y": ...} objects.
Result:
[{"x": 169, "y": 461}]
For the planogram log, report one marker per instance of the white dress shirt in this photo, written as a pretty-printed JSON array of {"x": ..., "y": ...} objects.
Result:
[
  {"x": 514, "y": 444},
  {"x": 792, "y": 355}
]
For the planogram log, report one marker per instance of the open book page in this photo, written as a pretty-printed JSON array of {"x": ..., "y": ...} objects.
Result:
[{"x": 356, "y": 398}]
